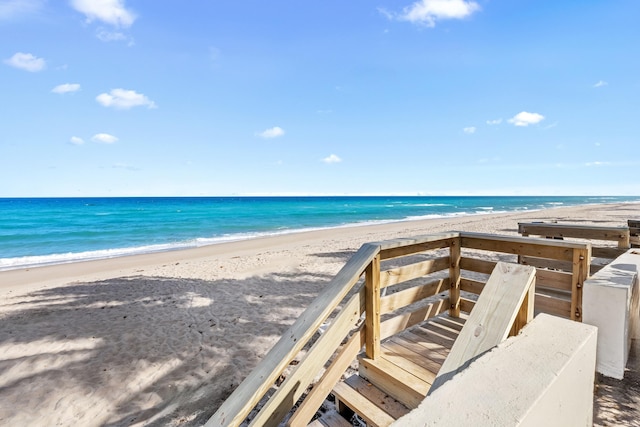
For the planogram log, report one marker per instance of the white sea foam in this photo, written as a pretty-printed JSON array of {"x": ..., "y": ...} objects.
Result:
[{"x": 69, "y": 257}]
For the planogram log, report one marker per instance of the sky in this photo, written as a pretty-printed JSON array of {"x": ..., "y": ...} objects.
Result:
[{"x": 385, "y": 97}]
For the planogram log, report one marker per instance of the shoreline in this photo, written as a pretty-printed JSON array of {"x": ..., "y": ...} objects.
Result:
[
  {"x": 59, "y": 272},
  {"x": 164, "y": 338},
  {"x": 63, "y": 255}
]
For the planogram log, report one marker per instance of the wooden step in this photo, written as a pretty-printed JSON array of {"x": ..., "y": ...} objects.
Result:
[
  {"x": 396, "y": 381},
  {"x": 330, "y": 419},
  {"x": 371, "y": 404}
]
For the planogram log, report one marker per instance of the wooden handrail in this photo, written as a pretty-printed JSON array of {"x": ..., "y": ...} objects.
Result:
[
  {"x": 617, "y": 234},
  {"x": 238, "y": 406}
]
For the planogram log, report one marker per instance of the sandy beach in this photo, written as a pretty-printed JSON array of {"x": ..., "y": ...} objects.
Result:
[{"x": 163, "y": 339}]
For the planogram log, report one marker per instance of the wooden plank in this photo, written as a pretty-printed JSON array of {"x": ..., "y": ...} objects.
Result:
[
  {"x": 542, "y": 248},
  {"x": 477, "y": 265},
  {"x": 578, "y": 231},
  {"x": 459, "y": 321},
  {"x": 409, "y": 296},
  {"x": 492, "y": 318},
  {"x": 451, "y": 323},
  {"x": 401, "y": 385},
  {"x": 546, "y": 263},
  {"x": 431, "y": 360},
  {"x": 372, "y": 308},
  {"x": 413, "y": 271},
  {"x": 236, "y": 408},
  {"x": 454, "y": 278},
  {"x": 400, "y": 323},
  {"x": 553, "y": 279},
  {"x": 526, "y": 312},
  {"x": 470, "y": 285},
  {"x": 272, "y": 413},
  {"x": 410, "y": 361},
  {"x": 517, "y": 239},
  {"x": 401, "y": 247},
  {"x": 609, "y": 253},
  {"x": 367, "y": 410},
  {"x": 442, "y": 328},
  {"x": 329, "y": 379},
  {"x": 379, "y": 397},
  {"x": 440, "y": 335},
  {"x": 466, "y": 305},
  {"x": 581, "y": 262},
  {"x": 331, "y": 418},
  {"x": 430, "y": 342},
  {"x": 634, "y": 230},
  {"x": 552, "y": 305}
]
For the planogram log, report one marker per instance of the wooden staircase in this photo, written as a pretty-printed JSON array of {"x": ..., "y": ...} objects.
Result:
[
  {"x": 390, "y": 386},
  {"x": 425, "y": 356},
  {"x": 426, "y": 276}
]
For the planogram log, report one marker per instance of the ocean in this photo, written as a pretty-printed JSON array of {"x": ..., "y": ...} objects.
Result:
[{"x": 43, "y": 231}]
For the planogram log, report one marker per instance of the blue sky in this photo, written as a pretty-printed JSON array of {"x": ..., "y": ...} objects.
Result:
[{"x": 148, "y": 97}]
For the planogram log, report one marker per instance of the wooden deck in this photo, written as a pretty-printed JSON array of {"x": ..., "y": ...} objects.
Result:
[{"x": 408, "y": 365}]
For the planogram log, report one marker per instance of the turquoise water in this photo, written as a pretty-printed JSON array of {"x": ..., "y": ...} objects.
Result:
[{"x": 57, "y": 230}]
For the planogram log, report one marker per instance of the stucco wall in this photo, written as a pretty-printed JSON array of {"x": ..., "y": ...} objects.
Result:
[{"x": 610, "y": 302}]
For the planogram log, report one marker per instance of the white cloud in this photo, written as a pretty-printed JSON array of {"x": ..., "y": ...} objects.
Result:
[
  {"x": 10, "y": 9},
  {"x": 76, "y": 140},
  {"x": 427, "y": 12},
  {"x": 494, "y": 122},
  {"x": 597, "y": 164},
  {"x": 332, "y": 159},
  {"x": 273, "y": 132},
  {"x": 26, "y": 61},
  {"x": 66, "y": 88},
  {"x": 469, "y": 130},
  {"x": 110, "y": 36},
  {"x": 124, "y": 99},
  {"x": 525, "y": 119},
  {"x": 125, "y": 166},
  {"x": 111, "y": 12},
  {"x": 104, "y": 138},
  {"x": 600, "y": 83}
]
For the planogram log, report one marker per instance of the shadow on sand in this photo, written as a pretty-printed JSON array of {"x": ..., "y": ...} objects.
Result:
[{"x": 147, "y": 350}]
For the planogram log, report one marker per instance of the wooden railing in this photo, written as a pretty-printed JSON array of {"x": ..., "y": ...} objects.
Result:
[
  {"x": 634, "y": 231},
  {"x": 621, "y": 235},
  {"x": 423, "y": 277}
]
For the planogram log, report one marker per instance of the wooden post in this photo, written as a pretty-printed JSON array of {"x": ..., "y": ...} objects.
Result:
[
  {"x": 624, "y": 240},
  {"x": 580, "y": 273},
  {"x": 525, "y": 314},
  {"x": 634, "y": 231},
  {"x": 454, "y": 276},
  {"x": 372, "y": 308}
]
